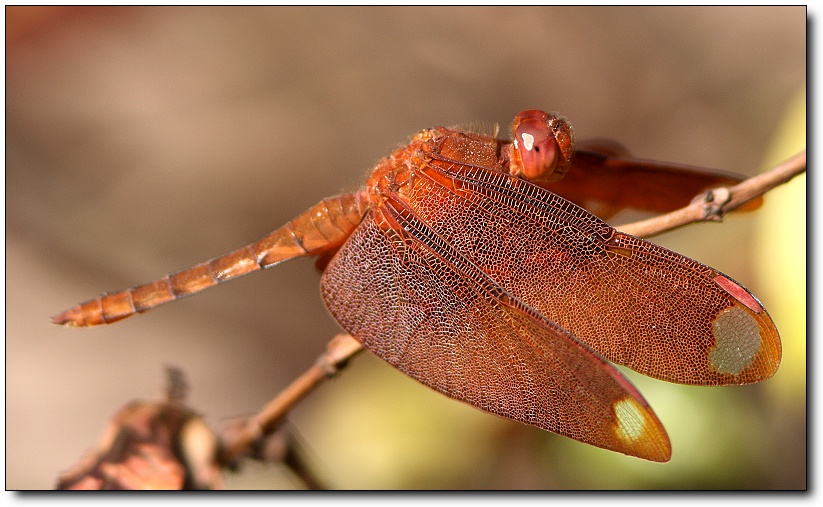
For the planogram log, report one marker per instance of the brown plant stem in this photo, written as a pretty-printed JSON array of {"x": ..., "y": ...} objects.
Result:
[
  {"x": 339, "y": 350},
  {"x": 709, "y": 206},
  {"x": 713, "y": 205}
]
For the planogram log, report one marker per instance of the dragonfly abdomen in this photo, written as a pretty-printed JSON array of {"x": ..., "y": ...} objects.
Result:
[{"x": 323, "y": 227}]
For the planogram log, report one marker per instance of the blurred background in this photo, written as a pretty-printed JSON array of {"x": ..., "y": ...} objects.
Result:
[{"x": 140, "y": 141}]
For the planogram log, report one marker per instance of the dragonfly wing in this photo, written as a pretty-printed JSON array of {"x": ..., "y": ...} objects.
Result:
[
  {"x": 636, "y": 303},
  {"x": 420, "y": 305},
  {"x": 604, "y": 180}
]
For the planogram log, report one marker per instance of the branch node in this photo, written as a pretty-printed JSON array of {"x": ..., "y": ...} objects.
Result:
[
  {"x": 340, "y": 349},
  {"x": 714, "y": 204}
]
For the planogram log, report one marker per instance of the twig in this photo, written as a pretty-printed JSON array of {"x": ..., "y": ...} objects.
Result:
[
  {"x": 241, "y": 438},
  {"x": 340, "y": 349},
  {"x": 710, "y": 206},
  {"x": 294, "y": 460},
  {"x": 715, "y": 204}
]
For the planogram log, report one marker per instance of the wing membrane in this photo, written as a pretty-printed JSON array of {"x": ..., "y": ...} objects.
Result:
[
  {"x": 605, "y": 179},
  {"x": 424, "y": 308},
  {"x": 636, "y": 303}
]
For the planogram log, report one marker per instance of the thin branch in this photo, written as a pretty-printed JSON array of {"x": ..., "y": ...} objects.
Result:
[
  {"x": 710, "y": 206},
  {"x": 239, "y": 439},
  {"x": 339, "y": 350},
  {"x": 713, "y": 205}
]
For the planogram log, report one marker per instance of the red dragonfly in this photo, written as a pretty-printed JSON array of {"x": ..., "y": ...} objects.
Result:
[{"x": 457, "y": 266}]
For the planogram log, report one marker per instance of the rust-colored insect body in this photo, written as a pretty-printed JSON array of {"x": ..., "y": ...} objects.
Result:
[{"x": 458, "y": 267}]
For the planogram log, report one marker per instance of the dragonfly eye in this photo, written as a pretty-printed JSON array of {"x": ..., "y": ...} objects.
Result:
[{"x": 543, "y": 146}]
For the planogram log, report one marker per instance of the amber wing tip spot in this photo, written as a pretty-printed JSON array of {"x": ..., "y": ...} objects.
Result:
[{"x": 640, "y": 431}]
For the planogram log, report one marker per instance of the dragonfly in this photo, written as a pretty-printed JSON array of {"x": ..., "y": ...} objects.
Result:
[{"x": 460, "y": 264}]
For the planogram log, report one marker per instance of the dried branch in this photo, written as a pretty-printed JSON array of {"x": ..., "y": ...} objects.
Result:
[
  {"x": 133, "y": 455},
  {"x": 713, "y": 205},
  {"x": 166, "y": 445},
  {"x": 151, "y": 445},
  {"x": 239, "y": 441}
]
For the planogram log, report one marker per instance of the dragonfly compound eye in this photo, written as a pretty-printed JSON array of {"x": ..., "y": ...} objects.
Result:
[
  {"x": 539, "y": 152},
  {"x": 543, "y": 144}
]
